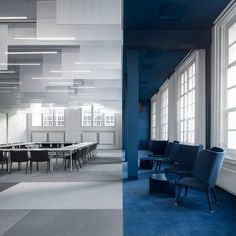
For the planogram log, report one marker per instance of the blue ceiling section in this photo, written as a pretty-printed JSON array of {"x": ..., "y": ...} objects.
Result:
[
  {"x": 171, "y": 14},
  {"x": 157, "y": 64}
]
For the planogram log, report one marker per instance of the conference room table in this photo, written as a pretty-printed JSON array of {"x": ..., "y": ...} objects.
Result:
[{"x": 68, "y": 150}]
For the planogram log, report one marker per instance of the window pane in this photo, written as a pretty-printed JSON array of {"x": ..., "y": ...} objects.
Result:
[
  {"x": 98, "y": 116},
  {"x": 232, "y": 33},
  {"x": 232, "y": 53},
  {"x": 47, "y": 117},
  {"x": 231, "y": 98},
  {"x": 231, "y": 80},
  {"x": 231, "y": 139},
  {"x": 86, "y": 116},
  {"x": 232, "y": 120},
  {"x": 59, "y": 117}
]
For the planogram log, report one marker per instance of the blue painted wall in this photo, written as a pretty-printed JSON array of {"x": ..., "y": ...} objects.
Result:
[{"x": 144, "y": 123}]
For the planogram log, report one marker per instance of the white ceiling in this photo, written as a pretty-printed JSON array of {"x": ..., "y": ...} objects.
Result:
[{"x": 85, "y": 69}]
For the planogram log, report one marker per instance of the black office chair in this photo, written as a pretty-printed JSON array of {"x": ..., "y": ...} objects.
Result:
[
  {"x": 205, "y": 174},
  {"x": 19, "y": 156},
  {"x": 39, "y": 156},
  {"x": 74, "y": 160},
  {"x": 3, "y": 160}
]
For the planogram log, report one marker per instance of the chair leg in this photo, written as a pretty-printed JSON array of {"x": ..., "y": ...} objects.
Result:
[
  {"x": 65, "y": 164},
  {"x": 26, "y": 168},
  {"x": 31, "y": 167},
  {"x": 186, "y": 192},
  {"x": 37, "y": 166},
  {"x": 18, "y": 166},
  {"x": 215, "y": 195},
  {"x": 209, "y": 201},
  {"x": 11, "y": 167},
  {"x": 177, "y": 198},
  {"x": 76, "y": 164},
  {"x": 47, "y": 167}
]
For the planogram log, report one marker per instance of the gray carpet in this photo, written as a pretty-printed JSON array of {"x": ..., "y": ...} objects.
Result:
[
  {"x": 69, "y": 223},
  {"x": 91, "y": 221}
]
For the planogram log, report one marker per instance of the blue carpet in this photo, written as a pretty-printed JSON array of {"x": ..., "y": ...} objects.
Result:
[{"x": 155, "y": 214}]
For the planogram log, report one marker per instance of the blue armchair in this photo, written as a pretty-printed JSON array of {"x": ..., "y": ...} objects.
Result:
[{"x": 205, "y": 174}]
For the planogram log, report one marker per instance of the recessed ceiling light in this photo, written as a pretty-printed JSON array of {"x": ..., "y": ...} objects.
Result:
[
  {"x": 46, "y": 38},
  {"x": 70, "y": 71},
  {"x": 13, "y": 17},
  {"x": 7, "y": 72},
  {"x": 23, "y": 53}
]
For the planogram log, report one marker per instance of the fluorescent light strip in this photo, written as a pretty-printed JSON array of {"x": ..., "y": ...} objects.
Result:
[
  {"x": 5, "y": 91},
  {"x": 75, "y": 87},
  {"x": 8, "y": 87},
  {"x": 97, "y": 63},
  {"x": 20, "y": 64},
  {"x": 7, "y": 72},
  {"x": 70, "y": 71},
  {"x": 59, "y": 90},
  {"x": 61, "y": 83},
  {"x": 46, "y": 38},
  {"x": 13, "y": 17},
  {"x": 31, "y": 53},
  {"x": 51, "y": 78},
  {"x": 10, "y": 82}
]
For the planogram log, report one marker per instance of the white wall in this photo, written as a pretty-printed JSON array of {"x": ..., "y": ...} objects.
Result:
[
  {"x": 3, "y": 128},
  {"x": 17, "y": 127}
]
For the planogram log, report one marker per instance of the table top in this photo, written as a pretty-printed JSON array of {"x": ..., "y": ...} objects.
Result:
[{"x": 61, "y": 149}]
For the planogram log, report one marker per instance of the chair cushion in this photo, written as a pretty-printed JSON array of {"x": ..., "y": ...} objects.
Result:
[{"x": 193, "y": 183}]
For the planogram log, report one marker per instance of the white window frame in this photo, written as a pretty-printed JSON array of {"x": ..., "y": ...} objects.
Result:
[
  {"x": 197, "y": 57},
  {"x": 187, "y": 102},
  {"x": 153, "y": 118},
  {"x": 86, "y": 116},
  {"x": 220, "y": 112},
  {"x": 164, "y": 113}
]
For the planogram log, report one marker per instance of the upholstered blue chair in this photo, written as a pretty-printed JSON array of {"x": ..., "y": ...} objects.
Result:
[
  {"x": 205, "y": 174},
  {"x": 156, "y": 147},
  {"x": 183, "y": 158},
  {"x": 166, "y": 158}
]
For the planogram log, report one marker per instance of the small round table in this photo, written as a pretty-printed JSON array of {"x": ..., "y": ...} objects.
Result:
[{"x": 159, "y": 183}]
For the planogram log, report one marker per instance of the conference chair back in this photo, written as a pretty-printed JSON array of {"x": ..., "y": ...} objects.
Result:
[
  {"x": 157, "y": 146},
  {"x": 19, "y": 156},
  {"x": 39, "y": 156}
]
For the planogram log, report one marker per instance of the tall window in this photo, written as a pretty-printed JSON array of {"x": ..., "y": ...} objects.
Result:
[
  {"x": 59, "y": 117},
  {"x": 231, "y": 89},
  {"x": 153, "y": 120},
  {"x": 186, "y": 107},
  {"x": 48, "y": 117},
  {"x": 164, "y": 114},
  {"x": 97, "y": 116},
  {"x": 86, "y": 116}
]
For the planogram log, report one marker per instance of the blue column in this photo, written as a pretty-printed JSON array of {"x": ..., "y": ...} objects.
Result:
[{"x": 132, "y": 113}]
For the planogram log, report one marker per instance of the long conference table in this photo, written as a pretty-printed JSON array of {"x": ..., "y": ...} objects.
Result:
[{"x": 69, "y": 150}]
